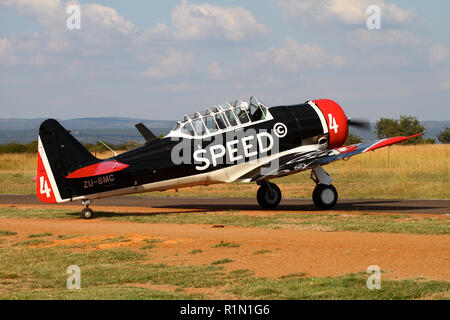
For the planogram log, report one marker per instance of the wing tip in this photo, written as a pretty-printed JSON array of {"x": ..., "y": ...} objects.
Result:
[
  {"x": 390, "y": 141},
  {"x": 415, "y": 135}
]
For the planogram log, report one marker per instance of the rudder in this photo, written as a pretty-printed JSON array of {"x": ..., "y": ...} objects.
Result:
[{"x": 58, "y": 154}]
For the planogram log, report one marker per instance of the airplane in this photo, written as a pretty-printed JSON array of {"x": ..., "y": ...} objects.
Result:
[{"x": 233, "y": 142}]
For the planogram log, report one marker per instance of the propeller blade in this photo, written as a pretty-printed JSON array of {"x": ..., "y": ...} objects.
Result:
[{"x": 359, "y": 123}]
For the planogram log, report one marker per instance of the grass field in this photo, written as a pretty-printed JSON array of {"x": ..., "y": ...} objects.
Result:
[
  {"x": 396, "y": 172},
  {"x": 39, "y": 273},
  {"x": 33, "y": 266}
]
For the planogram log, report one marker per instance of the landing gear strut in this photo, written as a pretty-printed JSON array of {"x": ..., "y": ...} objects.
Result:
[
  {"x": 325, "y": 194},
  {"x": 269, "y": 195},
  {"x": 87, "y": 213}
]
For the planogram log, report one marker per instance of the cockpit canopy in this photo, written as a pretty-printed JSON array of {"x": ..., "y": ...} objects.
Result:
[{"x": 222, "y": 117}]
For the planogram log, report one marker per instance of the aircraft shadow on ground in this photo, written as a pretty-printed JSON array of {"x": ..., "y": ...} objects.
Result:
[
  {"x": 205, "y": 208},
  {"x": 374, "y": 206},
  {"x": 110, "y": 214}
]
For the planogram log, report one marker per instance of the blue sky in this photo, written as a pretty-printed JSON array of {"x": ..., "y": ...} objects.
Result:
[{"x": 161, "y": 60}]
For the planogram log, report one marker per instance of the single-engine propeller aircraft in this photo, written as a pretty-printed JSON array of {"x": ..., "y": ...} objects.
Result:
[{"x": 238, "y": 141}]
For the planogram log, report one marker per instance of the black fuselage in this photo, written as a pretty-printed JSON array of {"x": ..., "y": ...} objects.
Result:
[{"x": 167, "y": 159}]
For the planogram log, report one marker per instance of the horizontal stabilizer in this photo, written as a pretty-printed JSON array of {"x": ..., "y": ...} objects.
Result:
[
  {"x": 97, "y": 169},
  {"x": 145, "y": 132}
]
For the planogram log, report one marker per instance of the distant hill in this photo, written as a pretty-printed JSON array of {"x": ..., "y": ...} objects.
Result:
[
  {"x": 89, "y": 130},
  {"x": 84, "y": 123},
  {"x": 119, "y": 130}
]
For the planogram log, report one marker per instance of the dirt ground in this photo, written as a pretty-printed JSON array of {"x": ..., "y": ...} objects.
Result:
[{"x": 310, "y": 252}]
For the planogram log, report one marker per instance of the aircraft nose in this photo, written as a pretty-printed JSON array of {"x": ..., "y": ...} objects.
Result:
[{"x": 336, "y": 121}]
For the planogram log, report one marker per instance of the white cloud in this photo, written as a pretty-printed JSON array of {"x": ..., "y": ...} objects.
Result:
[
  {"x": 208, "y": 22},
  {"x": 74, "y": 68},
  {"x": 52, "y": 15},
  {"x": 10, "y": 53},
  {"x": 294, "y": 56},
  {"x": 342, "y": 12},
  {"x": 43, "y": 11},
  {"x": 107, "y": 18},
  {"x": 99, "y": 24},
  {"x": 6, "y": 56},
  {"x": 160, "y": 33},
  {"x": 439, "y": 54},
  {"x": 339, "y": 61},
  {"x": 369, "y": 38},
  {"x": 172, "y": 63},
  {"x": 445, "y": 85},
  {"x": 215, "y": 71}
]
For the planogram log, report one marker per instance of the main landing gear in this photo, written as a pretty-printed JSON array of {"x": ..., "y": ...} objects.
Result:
[
  {"x": 324, "y": 195},
  {"x": 269, "y": 195},
  {"x": 87, "y": 213}
]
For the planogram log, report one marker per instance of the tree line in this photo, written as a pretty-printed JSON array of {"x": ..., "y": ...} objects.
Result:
[{"x": 405, "y": 126}]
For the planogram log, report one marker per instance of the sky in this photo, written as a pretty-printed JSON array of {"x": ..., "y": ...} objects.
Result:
[{"x": 163, "y": 59}]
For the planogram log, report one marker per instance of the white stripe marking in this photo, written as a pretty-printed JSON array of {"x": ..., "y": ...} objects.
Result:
[
  {"x": 373, "y": 145},
  {"x": 48, "y": 170},
  {"x": 320, "y": 114}
]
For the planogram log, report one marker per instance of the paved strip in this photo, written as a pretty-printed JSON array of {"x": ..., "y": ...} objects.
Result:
[{"x": 213, "y": 204}]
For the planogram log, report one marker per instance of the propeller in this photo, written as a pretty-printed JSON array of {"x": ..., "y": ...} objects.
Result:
[{"x": 359, "y": 123}]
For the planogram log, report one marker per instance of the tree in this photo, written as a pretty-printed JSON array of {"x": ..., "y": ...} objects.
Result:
[
  {"x": 405, "y": 126},
  {"x": 352, "y": 139},
  {"x": 444, "y": 136},
  {"x": 386, "y": 128}
]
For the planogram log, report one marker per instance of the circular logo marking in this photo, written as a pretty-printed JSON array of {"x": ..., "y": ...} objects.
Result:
[{"x": 280, "y": 130}]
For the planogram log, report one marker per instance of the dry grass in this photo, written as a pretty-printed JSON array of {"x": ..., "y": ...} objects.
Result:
[
  {"x": 396, "y": 172},
  {"x": 18, "y": 163},
  {"x": 419, "y": 172}
]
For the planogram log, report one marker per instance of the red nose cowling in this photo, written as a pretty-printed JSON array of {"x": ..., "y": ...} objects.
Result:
[{"x": 336, "y": 121}]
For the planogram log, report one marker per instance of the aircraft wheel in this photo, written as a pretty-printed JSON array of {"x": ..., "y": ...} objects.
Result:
[
  {"x": 325, "y": 196},
  {"x": 87, "y": 213},
  {"x": 268, "y": 196}
]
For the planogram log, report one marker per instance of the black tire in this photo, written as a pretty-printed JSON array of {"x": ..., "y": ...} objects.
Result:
[
  {"x": 325, "y": 197},
  {"x": 87, "y": 213},
  {"x": 268, "y": 198}
]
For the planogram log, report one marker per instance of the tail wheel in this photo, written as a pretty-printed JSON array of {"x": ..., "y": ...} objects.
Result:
[
  {"x": 325, "y": 196},
  {"x": 268, "y": 196},
  {"x": 87, "y": 213}
]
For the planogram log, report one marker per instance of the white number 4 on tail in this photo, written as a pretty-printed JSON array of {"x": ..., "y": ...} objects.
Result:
[
  {"x": 332, "y": 123},
  {"x": 44, "y": 187}
]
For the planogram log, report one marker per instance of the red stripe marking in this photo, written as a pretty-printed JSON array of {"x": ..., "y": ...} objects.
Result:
[
  {"x": 44, "y": 191},
  {"x": 98, "y": 169},
  {"x": 390, "y": 141},
  {"x": 346, "y": 149}
]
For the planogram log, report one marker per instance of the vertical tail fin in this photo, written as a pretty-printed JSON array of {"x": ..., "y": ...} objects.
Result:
[{"x": 58, "y": 154}]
